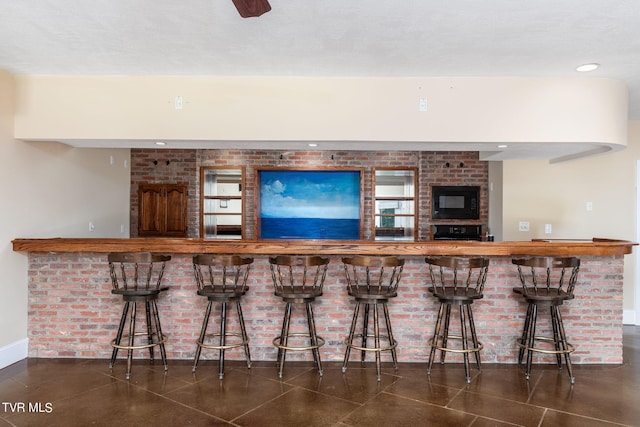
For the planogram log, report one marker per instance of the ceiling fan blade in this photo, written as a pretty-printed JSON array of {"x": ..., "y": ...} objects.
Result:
[{"x": 251, "y": 8}]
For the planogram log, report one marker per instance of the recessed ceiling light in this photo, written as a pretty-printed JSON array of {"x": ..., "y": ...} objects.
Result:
[
  {"x": 502, "y": 146},
  {"x": 587, "y": 67},
  {"x": 161, "y": 143},
  {"x": 313, "y": 144}
]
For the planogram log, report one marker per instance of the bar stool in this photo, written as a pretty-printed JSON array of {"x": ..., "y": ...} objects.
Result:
[
  {"x": 546, "y": 282},
  {"x": 298, "y": 280},
  {"x": 138, "y": 277},
  {"x": 372, "y": 282},
  {"x": 456, "y": 282},
  {"x": 222, "y": 279}
]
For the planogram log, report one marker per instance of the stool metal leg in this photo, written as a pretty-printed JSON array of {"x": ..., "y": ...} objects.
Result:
[
  {"x": 392, "y": 340},
  {"x": 436, "y": 337},
  {"x": 123, "y": 320},
  {"x": 376, "y": 337},
  {"x": 203, "y": 333},
  {"x": 245, "y": 337},
  {"x": 132, "y": 329},
  {"x": 365, "y": 331},
  {"x": 314, "y": 338},
  {"x": 223, "y": 339},
  {"x": 445, "y": 334},
  {"x": 284, "y": 338},
  {"x": 564, "y": 344},
  {"x": 465, "y": 354},
  {"x": 147, "y": 312},
  {"x": 349, "y": 340},
  {"x": 474, "y": 336},
  {"x": 159, "y": 335},
  {"x": 531, "y": 341},
  {"x": 525, "y": 331},
  {"x": 556, "y": 335}
]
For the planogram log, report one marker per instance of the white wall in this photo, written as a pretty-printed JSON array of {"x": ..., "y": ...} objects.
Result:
[
  {"x": 49, "y": 190},
  {"x": 557, "y": 194},
  {"x": 497, "y": 110}
]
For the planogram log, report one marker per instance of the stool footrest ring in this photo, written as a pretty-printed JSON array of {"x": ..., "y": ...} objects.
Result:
[
  {"x": 242, "y": 342},
  {"x": 392, "y": 345},
  {"x": 430, "y": 343},
  {"x": 276, "y": 342},
  {"x": 570, "y": 348},
  {"x": 139, "y": 346}
]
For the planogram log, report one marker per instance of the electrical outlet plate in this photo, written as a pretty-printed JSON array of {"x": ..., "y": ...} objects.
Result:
[{"x": 523, "y": 226}]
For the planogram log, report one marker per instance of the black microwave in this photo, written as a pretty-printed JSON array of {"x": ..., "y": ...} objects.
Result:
[{"x": 455, "y": 202}]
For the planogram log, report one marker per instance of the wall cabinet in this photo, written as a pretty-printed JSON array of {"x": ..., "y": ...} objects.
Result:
[{"x": 162, "y": 210}]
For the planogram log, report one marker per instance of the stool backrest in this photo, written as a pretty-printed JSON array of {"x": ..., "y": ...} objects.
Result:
[
  {"x": 136, "y": 270},
  {"x": 460, "y": 274},
  {"x": 219, "y": 273},
  {"x": 542, "y": 274},
  {"x": 377, "y": 274},
  {"x": 298, "y": 274}
]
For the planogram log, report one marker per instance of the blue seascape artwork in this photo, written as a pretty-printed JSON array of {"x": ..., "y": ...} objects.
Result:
[{"x": 302, "y": 204}]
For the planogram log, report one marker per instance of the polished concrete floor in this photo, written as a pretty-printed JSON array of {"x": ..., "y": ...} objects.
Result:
[{"x": 71, "y": 392}]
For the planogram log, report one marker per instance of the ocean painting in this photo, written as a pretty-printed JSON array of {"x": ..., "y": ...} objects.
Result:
[{"x": 305, "y": 204}]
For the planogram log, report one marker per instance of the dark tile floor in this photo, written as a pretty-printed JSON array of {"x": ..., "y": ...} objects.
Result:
[{"x": 71, "y": 392}]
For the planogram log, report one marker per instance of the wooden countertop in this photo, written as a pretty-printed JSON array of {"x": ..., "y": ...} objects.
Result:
[{"x": 594, "y": 247}]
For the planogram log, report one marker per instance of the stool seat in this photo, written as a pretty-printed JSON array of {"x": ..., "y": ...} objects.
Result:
[
  {"x": 362, "y": 293},
  {"x": 221, "y": 293},
  {"x": 222, "y": 279},
  {"x": 372, "y": 282},
  {"x": 457, "y": 295},
  {"x": 137, "y": 277},
  {"x": 298, "y": 280},
  {"x": 546, "y": 282},
  {"x": 456, "y": 282},
  {"x": 552, "y": 296},
  {"x": 153, "y": 293},
  {"x": 299, "y": 297}
]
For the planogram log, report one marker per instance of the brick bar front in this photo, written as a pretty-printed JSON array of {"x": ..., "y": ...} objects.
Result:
[{"x": 72, "y": 312}]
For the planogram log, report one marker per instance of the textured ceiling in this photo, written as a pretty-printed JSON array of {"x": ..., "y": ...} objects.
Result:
[{"x": 541, "y": 38}]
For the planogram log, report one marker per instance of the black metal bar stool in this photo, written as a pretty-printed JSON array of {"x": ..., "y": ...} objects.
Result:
[
  {"x": 222, "y": 279},
  {"x": 456, "y": 282},
  {"x": 298, "y": 280},
  {"x": 138, "y": 277},
  {"x": 546, "y": 282},
  {"x": 372, "y": 282}
]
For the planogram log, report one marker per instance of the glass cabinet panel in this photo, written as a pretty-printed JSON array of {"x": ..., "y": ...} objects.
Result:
[
  {"x": 395, "y": 204},
  {"x": 386, "y": 207},
  {"x": 222, "y": 203}
]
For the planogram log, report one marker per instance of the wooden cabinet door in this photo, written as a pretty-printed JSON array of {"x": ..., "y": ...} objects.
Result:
[
  {"x": 175, "y": 210},
  {"x": 162, "y": 210},
  {"x": 150, "y": 210}
]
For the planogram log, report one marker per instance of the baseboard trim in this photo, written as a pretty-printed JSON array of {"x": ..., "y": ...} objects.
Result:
[
  {"x": 629, "y": 317},
  {"x": 14, "y": 352}
]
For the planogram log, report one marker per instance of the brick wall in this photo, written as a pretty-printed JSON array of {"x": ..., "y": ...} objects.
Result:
[
  {"x": 434, "y": 168},
  {"x": 73, "y": 314}
]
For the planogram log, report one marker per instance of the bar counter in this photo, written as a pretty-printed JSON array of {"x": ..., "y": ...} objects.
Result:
[
  {"x": 594, "y": 247},
  {"x": 72, "y": 312}
]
